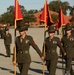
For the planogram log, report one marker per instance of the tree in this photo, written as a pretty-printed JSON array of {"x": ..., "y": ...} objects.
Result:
[
  {"x": 55, "y": 5},
  {"x": 32, "y": 11},
  {"x": 54, "y": 17},
  {"x": 72, "y": 13},
  {"x": 7, "y": 18},
  {"x": 29, "y": 18},
  {"x": 72, "y": 10},
  {"x": 65, "y": 7},
  {"x": 10, "y": 9},
  {"x": 23, "y": 10},
  {"x": 72, "y": 19}
]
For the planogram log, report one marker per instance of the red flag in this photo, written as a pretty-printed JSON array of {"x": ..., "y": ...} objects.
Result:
[
  {"x": 61, "y": 19},
  {"x": 45, "y": 17},
  {"x": 17, "y": 11}
]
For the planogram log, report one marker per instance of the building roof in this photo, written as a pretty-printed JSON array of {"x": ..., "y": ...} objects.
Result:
[{"x": 37, "y": 15}]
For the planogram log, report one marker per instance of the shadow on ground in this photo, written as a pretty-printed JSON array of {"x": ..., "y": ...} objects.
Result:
[
  {"x": 1, "y": 54},
  {"x": 38, "y": 71}
]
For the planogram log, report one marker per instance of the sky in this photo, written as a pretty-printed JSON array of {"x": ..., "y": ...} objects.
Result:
[{"x": 28, "y": 4}]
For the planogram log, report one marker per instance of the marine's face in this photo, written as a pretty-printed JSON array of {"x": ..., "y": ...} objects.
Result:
[
  {"x": 51, "y": 34},
  {"x": 7, "y": 32},
  {"x": 22, "y": 33},
  {"x": 68, "y": 31}
]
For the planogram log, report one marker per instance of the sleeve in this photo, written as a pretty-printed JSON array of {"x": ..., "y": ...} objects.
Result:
[
  {"x": 10, "y": 38},
  {"x": 32, "y": 43},
  {"x": 44, "y": 48},
  {"x": 3, "y": 33},
  {"x": 16, "y": 39},
  {"x": 62, "y": 41},
  {"x": 60, "y": 45},
  {"x": 73, "y": 41}
]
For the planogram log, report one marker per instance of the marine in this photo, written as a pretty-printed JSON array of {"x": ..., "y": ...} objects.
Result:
[
  {"x": 50, "y": 50},
  {"x": 68, "y": 44},
  {"x": 7, "y": 41},
  {"x": 23, "y": 43}
]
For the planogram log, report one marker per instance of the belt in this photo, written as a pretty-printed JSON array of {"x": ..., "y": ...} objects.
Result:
[
  {"x": 69, "y": 46},
  {"x": 23, "y": 52},
  {"x": 20, "y": 52},
  {"x": 52, "y": 51}
]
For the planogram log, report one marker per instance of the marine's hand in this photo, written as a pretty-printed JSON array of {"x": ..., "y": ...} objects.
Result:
[
  {"x": 65, "y": 54},
  {"x": 14, "y": 63},
  {"x": 42, "y": 58}
]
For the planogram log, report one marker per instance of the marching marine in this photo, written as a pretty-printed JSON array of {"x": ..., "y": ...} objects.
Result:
[
  {"x": 23, "y": 43},
  {"x": 7, "y": 41},
  {"x": 50, "y": 46},
  {"x": 68, "y": 44}
]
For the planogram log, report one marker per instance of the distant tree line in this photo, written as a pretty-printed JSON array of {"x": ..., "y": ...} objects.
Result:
[
  {"x": 55, "y": 5},
  {"x": 8, "y": 16}
]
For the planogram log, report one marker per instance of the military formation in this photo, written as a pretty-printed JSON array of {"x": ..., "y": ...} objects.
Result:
[{"x": 48, "y": 54}]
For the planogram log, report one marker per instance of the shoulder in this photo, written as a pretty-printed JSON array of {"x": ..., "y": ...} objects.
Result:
[
  {"x": 56, "y": 38},
  {"x": 47, "y": 38},
  {"x": 29, "y": 37},
  {"x": 64, "y": 36},
  {"x": 72, "y": 35},
  {"x": 18, "y": 37},
  {"x": 9, "y": 34}
]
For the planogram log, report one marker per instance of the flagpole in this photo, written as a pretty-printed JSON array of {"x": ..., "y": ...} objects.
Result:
[
  {"x": 15, "y": 49},
  {"x": 18, "y": 16},
  {"x": 44, "y": 37},
  {"x": 44, "y": 49},
  {"x": 61, "y": 34}
]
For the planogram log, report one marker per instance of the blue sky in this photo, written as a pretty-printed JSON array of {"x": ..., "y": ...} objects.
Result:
[{"x": 28, "y": 4}]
